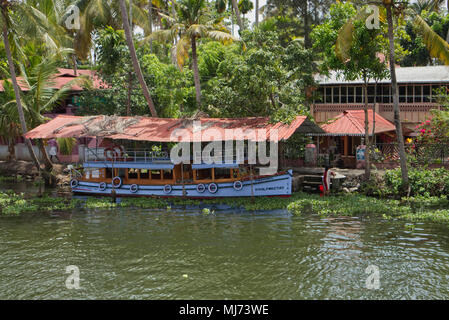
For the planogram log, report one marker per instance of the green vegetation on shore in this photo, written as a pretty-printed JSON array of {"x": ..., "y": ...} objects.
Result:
[{"x": 413, "y": 209}]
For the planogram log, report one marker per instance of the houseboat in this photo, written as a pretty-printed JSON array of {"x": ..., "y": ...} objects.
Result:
[
  {"x": 148, "y": 173},
  {"x": 111, "y": 170}
]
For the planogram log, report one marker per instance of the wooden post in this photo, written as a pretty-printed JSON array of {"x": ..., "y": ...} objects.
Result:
[
  {"x": 346, "y": 146},
  {"x": 182, "y": 180},
  {"x": 252, "y": 182}
]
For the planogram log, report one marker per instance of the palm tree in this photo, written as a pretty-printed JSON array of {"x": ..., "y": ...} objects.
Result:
[
  {"x": 135, "y": 61},
  {"x": 427, "y": 5},
  {"x": 192, "y": 23},
  {"x": 5, "y": 22},
  {"x": 257, "y": 13},
  {"x": 41, "y": 96},
  {"x": 437, "y": 47},
  {"x": 237, "y": 14}
]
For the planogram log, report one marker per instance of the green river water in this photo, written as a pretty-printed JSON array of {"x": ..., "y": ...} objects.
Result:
[{"x": 231, "y": 254}]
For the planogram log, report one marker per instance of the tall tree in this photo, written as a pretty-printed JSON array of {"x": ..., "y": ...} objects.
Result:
[
  {"x": 436, "y": 45},
  {"x": 192, "y": 22},
  {"x": 135, "y": 61},
  {"x": 235, "y": 7},
  {"x": 360, "y": 61},
  {"x": 23, "y": 10}
]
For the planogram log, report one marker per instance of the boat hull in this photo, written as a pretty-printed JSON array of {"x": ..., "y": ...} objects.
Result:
[{"x": 279, "y": 185}]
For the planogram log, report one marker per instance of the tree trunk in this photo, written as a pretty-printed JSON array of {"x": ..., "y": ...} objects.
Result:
[
  {"x": 305, "y": 17},
  {"x": 128, "y": 102},
  {"x": 257, "y": 13},
  {"x": 394, "y": 85},
  {"x": 237, "y": 14},
  {"x": 17, "y": 94},
  {"x": 75, "y": 67},
  {"x": 45, "y": 158},
  {"x": 136, "y": 65},
  {"x": 150, "y": 17},
  {"x": 196, "y": 73},
  {"x": 11, "y": 150},
  {"x": 367, "y": 142}
]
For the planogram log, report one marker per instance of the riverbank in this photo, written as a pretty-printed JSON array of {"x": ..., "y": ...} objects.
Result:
[
  {"x": 18, "y": 171},
  {"x": 412, "y": 209}
]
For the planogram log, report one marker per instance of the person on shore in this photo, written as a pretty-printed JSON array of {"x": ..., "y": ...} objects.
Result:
[
  {"x": 328, "y": 174},
  {"x": 53, "y": 149}
]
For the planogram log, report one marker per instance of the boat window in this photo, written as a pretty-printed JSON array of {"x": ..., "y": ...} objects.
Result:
[
  {"x": 221, "y": 173},
  {"x": 144, "y": 174},
  {"x": 204, "y": 174},
  {"x": 168, "y": 174},
  {"x": 121, "y": 172},
  {"x": 108, "y": 173},
  {"x": 132, "y": 174},
  {"x": 155, "y": 174}
]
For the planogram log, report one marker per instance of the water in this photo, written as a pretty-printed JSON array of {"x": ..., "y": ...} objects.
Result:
[{"x": 147, "y": 254}]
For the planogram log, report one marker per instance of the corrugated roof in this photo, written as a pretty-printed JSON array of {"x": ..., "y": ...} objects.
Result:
[
  {"x": 352, "y": 123},
  {"x": 171, "y": 130},
  {"x": 430, "y": 74},
  {"x": 63, "y": 77}
]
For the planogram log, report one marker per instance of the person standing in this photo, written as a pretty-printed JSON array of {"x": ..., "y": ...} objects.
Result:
[
  {"x": 53, "y": 149},
  {"x": 328, "y": 174}
]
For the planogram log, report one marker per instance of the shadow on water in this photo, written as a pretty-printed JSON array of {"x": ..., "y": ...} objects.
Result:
[{"x": 127, "y": 253}]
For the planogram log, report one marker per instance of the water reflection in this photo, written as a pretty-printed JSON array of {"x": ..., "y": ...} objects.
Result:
[{"x": 143, "y": 254}]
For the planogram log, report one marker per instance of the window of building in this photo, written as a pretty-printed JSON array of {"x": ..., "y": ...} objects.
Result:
[
  {"x": 402, "y": 94},
  {"x": 379, "y": 93},
  {"x": 320, "y": 96},
  {"x": 344, "y": 95},
  {"x": 359, "y": 95},
  {"x": 426, "y": 93},
  {"x": 386, "y": 94},
  {"x": 336, "y": 95},
  {"x": 418, "y": 94},
  {"x": 328, "y": 95},
  {"x": 351, "y": 95},
  {"x": 371, "y": 92},
  {"x": 410, "y": 94}
]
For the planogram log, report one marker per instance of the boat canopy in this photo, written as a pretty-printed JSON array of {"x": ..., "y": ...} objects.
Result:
[
  {"x": 215, "y": 165},
  {"x": 130, "y": 165},
  {"x": 172, "y": 130}
]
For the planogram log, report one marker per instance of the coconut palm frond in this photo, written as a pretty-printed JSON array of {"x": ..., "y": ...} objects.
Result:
[
  {"x": 180, "y": 52},
  {"x": 346, "y": 34},
  {"x": 224, "y": 37},
  {"x": 437, "y": 46},
  {"x": 66, "y": 145},
  {"x": 164, "y": 35},
  {"x": 197, "y": 30},
  {"x": 344, "y": 41}
]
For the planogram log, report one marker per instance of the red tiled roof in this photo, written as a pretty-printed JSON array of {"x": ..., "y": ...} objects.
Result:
[
  {"x": 168, "y": 130},
  {"x": 63, "y": 77},
  {"x": 352, "y": 123}
]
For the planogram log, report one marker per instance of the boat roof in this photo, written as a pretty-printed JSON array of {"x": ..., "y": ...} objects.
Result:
[{"x": 173, "y": 130}]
